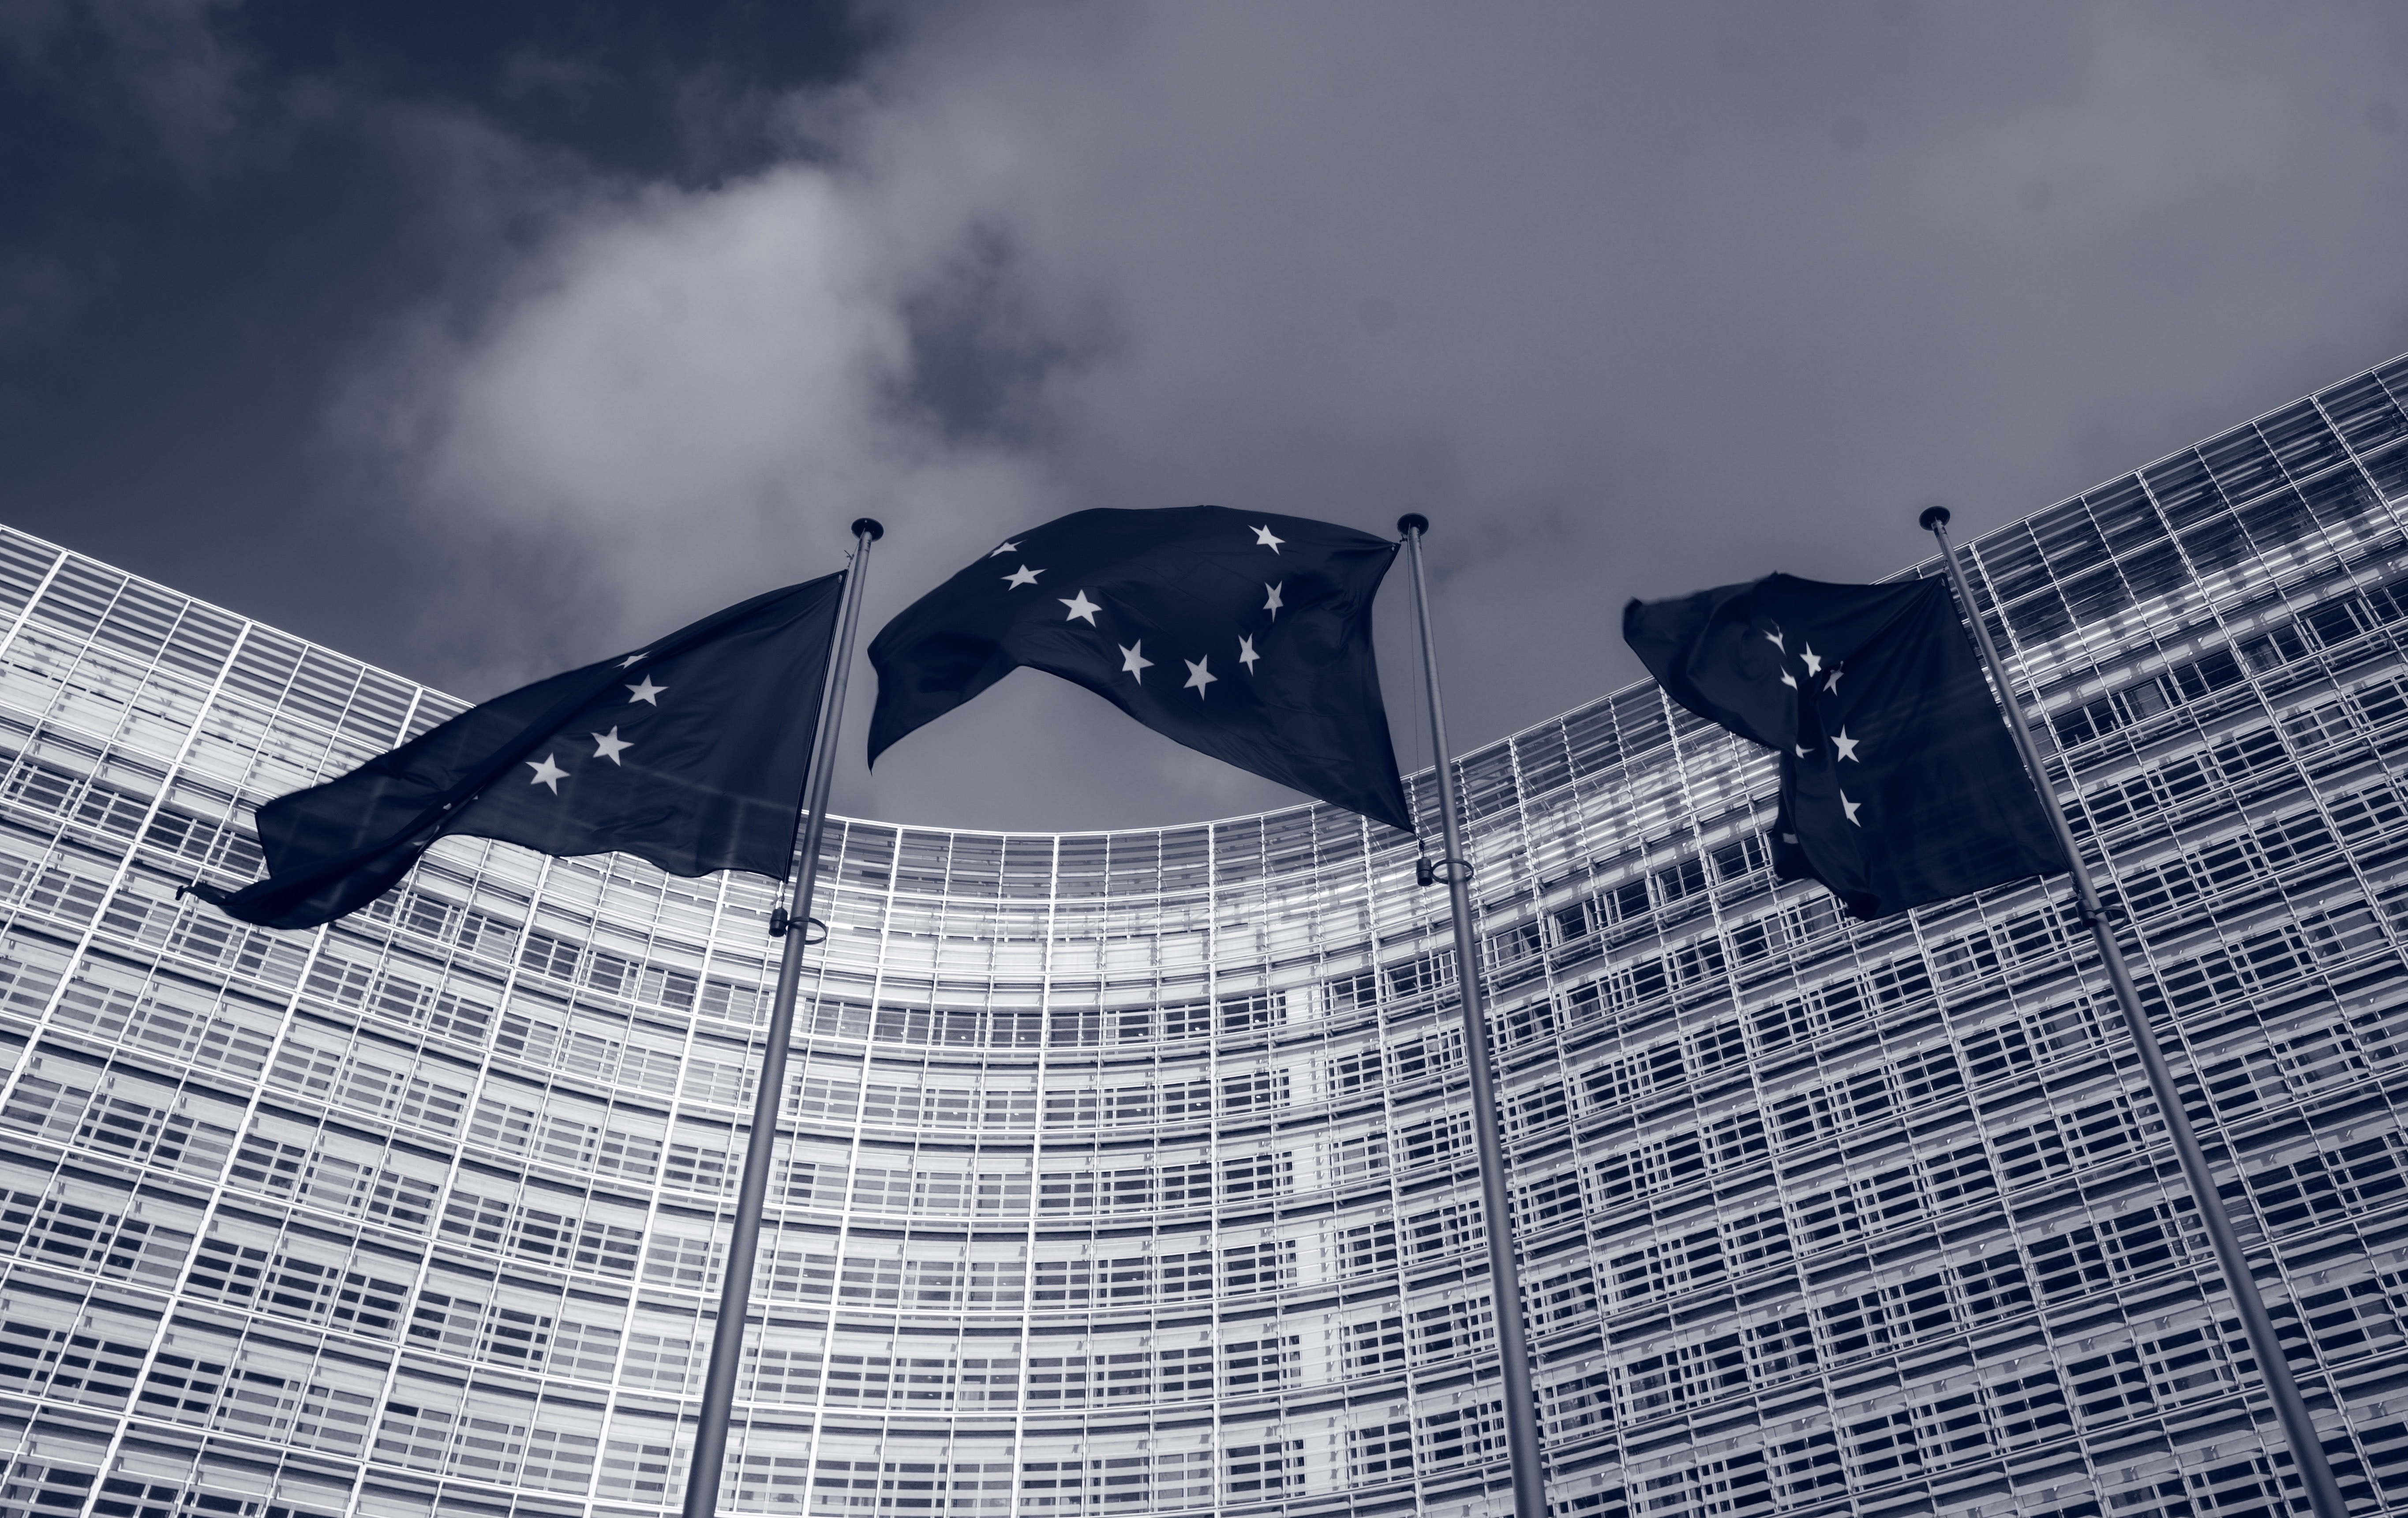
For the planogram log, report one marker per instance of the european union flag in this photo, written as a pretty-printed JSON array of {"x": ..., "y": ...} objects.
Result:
[
  {"x": 1900, "y": 784},
  {"x": 1243, "y": 635},
  {"x": 689, "y": 752}
]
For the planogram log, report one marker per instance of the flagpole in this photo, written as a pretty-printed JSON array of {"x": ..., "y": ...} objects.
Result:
[
  {"x": 2307, "y": 1447},
  {"x": 1504, "y": 1275},
  {"x": 744, "y": 1242}
]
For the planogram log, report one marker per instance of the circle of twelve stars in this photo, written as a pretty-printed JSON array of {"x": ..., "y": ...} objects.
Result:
[{"x": 1134, "y": 662}]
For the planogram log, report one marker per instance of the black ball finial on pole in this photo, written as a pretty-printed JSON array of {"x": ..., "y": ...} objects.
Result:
[
  {"x": 870, "y": 526},
  {"x": 1933, "y": 516},
  {"x": 1411, "y": 522}
]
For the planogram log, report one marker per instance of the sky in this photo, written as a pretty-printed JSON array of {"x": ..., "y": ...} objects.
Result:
[{"x": 479, "y": 341}]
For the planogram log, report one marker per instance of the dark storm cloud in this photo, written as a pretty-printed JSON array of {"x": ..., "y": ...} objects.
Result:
[
  {"x": 982, "y": 354},
  {"x": 216, "y": 210},
  {"x": 1628, "y": 300},
  {"x": 152, "y": 77}
]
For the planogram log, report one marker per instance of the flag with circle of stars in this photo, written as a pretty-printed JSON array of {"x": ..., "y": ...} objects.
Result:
[
  {"x": 689, "y": 752},
  {"x": 1243, "y": 635},
  {"x": 1899, "y": 782}
]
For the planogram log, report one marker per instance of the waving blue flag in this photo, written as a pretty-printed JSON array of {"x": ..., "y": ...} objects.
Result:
[
  {"x": 1900, "y": 784},
  {"x": 689, "y": 752},
  {"x": 1243, "y": 635}
]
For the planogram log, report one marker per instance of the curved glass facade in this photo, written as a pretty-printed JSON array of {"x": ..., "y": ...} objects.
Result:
[{"x": 1132, "y": 1172}]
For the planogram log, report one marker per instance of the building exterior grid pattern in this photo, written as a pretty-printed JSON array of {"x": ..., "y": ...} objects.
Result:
[{"x": 1133, "y": 1172}]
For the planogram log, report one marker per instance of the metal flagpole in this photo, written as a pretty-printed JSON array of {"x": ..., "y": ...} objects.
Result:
[
  {"x": 1504, "y": 1275},
  {"x": 790, "y": 923},
  {"x": 2307, "y": 1448}
]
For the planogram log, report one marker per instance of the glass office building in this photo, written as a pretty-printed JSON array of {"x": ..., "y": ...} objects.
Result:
[{"x": 1132, "y": 1171}]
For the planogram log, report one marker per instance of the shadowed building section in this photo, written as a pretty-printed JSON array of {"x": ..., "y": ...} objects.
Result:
[{"x": 1126, "y": 1172}]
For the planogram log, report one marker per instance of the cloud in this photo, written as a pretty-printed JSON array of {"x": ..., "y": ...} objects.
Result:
[
  {"x": 1627, "y": 301},
  {"x": 686, "y": 391},
  {"x": 682, "y": 358}
]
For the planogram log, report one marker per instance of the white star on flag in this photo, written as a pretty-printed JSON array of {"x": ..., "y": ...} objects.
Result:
[
  {"x": 1007, "y": 548},
  {"x": 1246, "y": 654},
  {"x": 1133, "y": 661},
  {"x": 1831, "y": 682},
  {"x": 610, "y": 745},
  {"x": 647, "y": 693},
  {"x": 1272, "y": 606},
  {"x": 548, "y": 773},
  {"x": 1198, "y": 676},
  {"x": 1022, "y": 576},
  {"x": 1851, "y": 808},
  {"x": 1847, "y": 745},
  {"x": 1263, "y": 538},
  {"x": 1081, "y": 609},
  {"x": 1814, "y": 660},
  {"x": 631, "y": 661},
  {"x": 1774, "y": 638}
]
